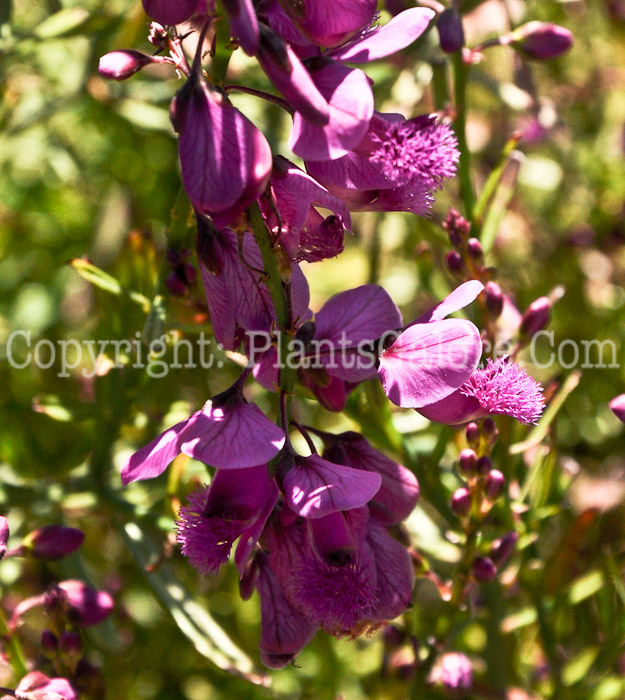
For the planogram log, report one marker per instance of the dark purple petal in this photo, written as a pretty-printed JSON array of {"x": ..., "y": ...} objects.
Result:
[
  {"x": 243, "y": 24},
  {"x": 330, "y": 23},
  {"x": 395, "y": 574},
  {"x": 349, "y": 95},
  {"x": 394, "y": 36},
  {"x": 315, "y": 487},
  {"x": 225, "y": 159},
  {"x": 152, "y": 460},
  {"x": 169, "y": 12},
  {"x": 454, "y": 409},
  {"x": 462, "y": 296},
  {"x": 429, "y": 361},
  {"x": 283, "y": 631},
  {"x": 234, "y": 436}
]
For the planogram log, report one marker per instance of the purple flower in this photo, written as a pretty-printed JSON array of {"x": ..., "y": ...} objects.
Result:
[
  {"x": 314, "y": 487},
  {"x": 4, "y": 535},
  {"x": 617, "y": 405},
  {"x": 170, "y": 12},
  {"x": 238, "y": 299},
  {"x": 501, "y": 387},
  {"x": 243, "y": 24},
  {"x": 37, "y": 686},
  {"x": 395, "y": 167},
  {"x": 456, "y": 671},
  {"x": 236, "y": 504},
  {"x": 399, "y": 489},
  {"x": 433, "y": 356},
  {"x": 540, "y": 41},
  {"x": 304, "y": 232},
  {"x": 284, "y": 631},
  {"x": 225, "y": 159},
  {"x": 51, "y": 542},
  {"x": 227, "y": 433}
]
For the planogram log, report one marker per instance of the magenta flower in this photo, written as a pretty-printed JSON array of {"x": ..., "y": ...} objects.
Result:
[
  {"x": 37, "y": 686},
  {"x": 170, "y": 12},
  {"x": 501, "y": 387},
  {"x": 433, "y": 356},
  {"x": 238, "y": 300},
  {"x": 395, "y": 167},
  {"x": 227, "y": 433},
  {"x": 314, "y": 487},
  {"x": 617, "y": 405},
  {"x": 4, "y": 535},
  {"x": 399, "y": 489},
  {"x": 236, "y": 504},
  {"x": 455, "y": 672},
  {"x": 243, "y": 24},
  {"x": 304, "y": 232},
  {"x": 225, "y": 159},
  {"x": 284, "y": 631}
]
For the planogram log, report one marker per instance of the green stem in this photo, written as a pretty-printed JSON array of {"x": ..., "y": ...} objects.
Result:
[
  {"x": 223, "y": 47},
  {"x": 14, "y": 648},
  {"x": 467, "y": 194}
]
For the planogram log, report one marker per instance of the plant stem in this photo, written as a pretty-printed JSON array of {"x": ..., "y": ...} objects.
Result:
[
  {"x": 14, "y": 649},
  {"x": 460, "y": 126}
]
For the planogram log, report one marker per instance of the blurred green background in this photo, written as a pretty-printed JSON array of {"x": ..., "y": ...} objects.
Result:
[{"x": 89, "y": 168}]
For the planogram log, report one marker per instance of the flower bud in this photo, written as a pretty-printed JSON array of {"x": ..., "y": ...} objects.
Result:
[
  {"x": 457, "y": 227},
  {"x": 4, "y": 535},
  {"x": 503, "y": 548},
  {"x": 472, "y": 434},
  {"x": 49, "y": 643},
  {"x": 169, "y": 12},
  {"x": 461, "y": 501},
  {"x": 490, "y": 430},
  {"x": 540, "y": 40},
  {"x": 450, "y": 31},
  {"x": 483, "y": 465},
  {"x": 617, "y": 406},
  {"x": 484, "y": 569},
  {"x": 454, "y": 261},
  {"x": 90, "y": 606},
  {"x": 51, "y": 542},
  {"x": 494, "y": 299},
  {"x": 468, "y": 461},
  {"x": 456, "y": 672},
  {"x": 494, "y": 484},
  {"x": 175, "y": 285},
  {"x": 474, "y": 249},
  {"x": 536, "y": 317},
  {"x": 119, "y": 65}
]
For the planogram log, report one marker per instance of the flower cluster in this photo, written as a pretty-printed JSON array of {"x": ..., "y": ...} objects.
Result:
[{"x": 317, "y": 533}]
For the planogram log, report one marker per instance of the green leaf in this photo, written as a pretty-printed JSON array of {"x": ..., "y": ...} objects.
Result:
[
  {"x": 192, "y": 618},
  {"x": 577, "y": 668},
  {"x": 62, "y": 23},
  {"x": 104, "y": 281}
]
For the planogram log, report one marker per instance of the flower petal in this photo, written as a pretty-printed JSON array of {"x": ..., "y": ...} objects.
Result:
[
  {"x": 315, "y": 487},
  {"x": 394, "y": 36},
  {"x": 453, "y": 409},
  {"x": 232, "y": 437},
  {"x": 461, "y": 296},
  {"x": 429, "y": 361}
]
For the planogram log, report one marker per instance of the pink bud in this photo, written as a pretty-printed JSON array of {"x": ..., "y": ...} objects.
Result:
[
  {"x": 503, "y": 548},
  {"x": 472, "y": 434},
  {"x": 468, "y": 461},
  {"x": 450, "y": 31},
  {"x": 494, "y": 299},
  {"x": 454, "y": 261},
  {"x": 484, "y": 569},
  {"x": 540, "y": 40},
  {"x": 52, "y": 542},
  {"x": 461, "y": 501},
  {"x": 4, "y": 535},
  {"x": 536, "y": 317},
  {"x": 494, "y": 484},
  {"x": 474, "y": 249},
  {"x": 119, "y": 65},
  {"x": 617, "y": 405},
  {"x": 456, "y": 672},
  {"x": 91, "y": 606}
]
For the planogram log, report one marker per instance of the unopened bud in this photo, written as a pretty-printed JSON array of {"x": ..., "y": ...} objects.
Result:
[
  {"x": 503, "y": 548},
  {"x": 393, "y": 636},
  {"x": 483, "y": 465},
  {"x": 494, "y": 299},
  {"x": 454, "y": 261},
  {"x": 536, "y": 317},
  {"x": 456, "y": 672},
  {"x": 472, "y": 434},
  {"x": 450, "y": 31},
  {"x": 89, "y": 605},
  {"x": 489, "y": 428},
  {"x": 494, "y": 484},
  {"x": 49, "y": 643},
  {"x": 484, "y": 569},
  {"x": 461, "y": 501},
  {"x": 617, "y": 406},
  {"x": 169, "y": 12},
  {"x": 51, "y": 542},
  {"x": 457, "y": 227},
  {"x": 468, "y": 461},
  {"x": 4, "y": 535},
  {"x": 119, "y": 65},
  {"x": 175, "y": 285},
  {"x": 474, "y": 249},
  {"x": 540, "y": 40}
]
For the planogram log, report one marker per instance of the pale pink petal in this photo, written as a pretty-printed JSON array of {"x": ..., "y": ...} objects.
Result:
[
  {"x": 617, "y": 405},
  {"x": 429, "y": 361},
  {"x": 461, "y": 296}
]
